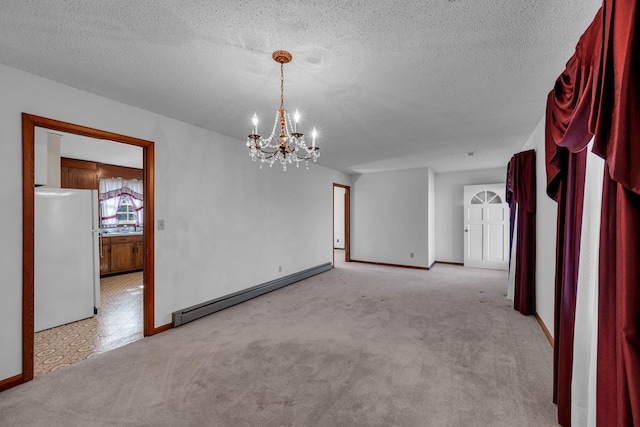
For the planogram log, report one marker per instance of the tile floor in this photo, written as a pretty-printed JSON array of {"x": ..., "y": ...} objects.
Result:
[{"x": 118, "y": 322}]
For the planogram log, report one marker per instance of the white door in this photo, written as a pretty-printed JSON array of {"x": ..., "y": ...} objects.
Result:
[{"x": 486, "y": 227}]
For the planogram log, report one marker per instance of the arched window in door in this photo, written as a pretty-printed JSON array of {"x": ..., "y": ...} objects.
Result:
[{"x": 483, "y": 197}]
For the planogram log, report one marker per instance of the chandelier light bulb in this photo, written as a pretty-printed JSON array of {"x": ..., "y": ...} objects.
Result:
[
  {"x": 314, "y": 134},
  {"x": 296, "y": 119},
  {"x": 255, "y": 123}
]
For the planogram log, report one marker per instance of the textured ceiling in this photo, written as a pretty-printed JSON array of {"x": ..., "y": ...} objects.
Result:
[{"x": 389, "y": 84}]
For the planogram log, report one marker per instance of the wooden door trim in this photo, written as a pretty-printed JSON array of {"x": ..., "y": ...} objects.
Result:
[
  {"x": 11, "y": 382},
  {"x": 347, "y": 219},
  {"x": 29, "y": 122}
]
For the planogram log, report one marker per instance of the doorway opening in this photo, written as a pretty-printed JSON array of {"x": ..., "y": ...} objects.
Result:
[
  {"x": 89, "y": 217},
  {"x": 341, "y": 223},
  {"x": 29, "y": 124}
]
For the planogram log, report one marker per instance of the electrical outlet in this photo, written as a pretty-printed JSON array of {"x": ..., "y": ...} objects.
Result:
[
  {"x": 161, "y": 224},
  {"x": 411, "y": 254},
  {"x": 279, "y": 269}
]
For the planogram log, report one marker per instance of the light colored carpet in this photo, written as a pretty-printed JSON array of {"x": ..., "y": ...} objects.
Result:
[{"x": 359, "y": 345}]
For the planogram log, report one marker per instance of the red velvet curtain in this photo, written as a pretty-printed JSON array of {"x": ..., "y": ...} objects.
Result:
[
  {"x": 615, "y": 121},
  {"x": 569, "y": 225},
  {"x": 598, "y": 94},
  {"x": 567, "y": 135},
  {"x": 618, "y": 377},
  {"x": 521, "y": 191}
]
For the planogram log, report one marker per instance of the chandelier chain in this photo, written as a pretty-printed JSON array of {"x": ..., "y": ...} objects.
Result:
[{"x": 281, "y": 86}]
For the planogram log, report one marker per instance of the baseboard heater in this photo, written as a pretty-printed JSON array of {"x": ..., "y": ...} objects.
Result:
[{"x": 189, "y": 314}]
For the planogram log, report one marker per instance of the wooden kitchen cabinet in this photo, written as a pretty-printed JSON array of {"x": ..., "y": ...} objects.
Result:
[
  {"x": 122, "y": 255},
  {"x": 105, "y": 256},
  {"x": 125, "y": 254},
  {"x": 138, "y": 259},
  {"x": 84, "y": 174},
  {"x": 79, "y": 174}
]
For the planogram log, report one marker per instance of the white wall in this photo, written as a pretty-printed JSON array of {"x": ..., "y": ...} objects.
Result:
[
  {"x": 41, "y": 160},
  {"x": 223, "y": 215},
  {"x": 47, "y": 158},
  {"x": 338, "y": 217},
  {"x": 546, "y": 217},
  {"x": 389, "y": 212},
  {"x": 449, "y": 237},
  {"x": 53, "y": 160}
]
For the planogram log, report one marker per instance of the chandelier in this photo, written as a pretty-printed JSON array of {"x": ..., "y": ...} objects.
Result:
[{"x": 285, "y": 144}]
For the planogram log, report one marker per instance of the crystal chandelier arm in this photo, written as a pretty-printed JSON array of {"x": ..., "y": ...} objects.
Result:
[
  {"x": 310, "y": 156},
  {"x": 267, "y": 154}
]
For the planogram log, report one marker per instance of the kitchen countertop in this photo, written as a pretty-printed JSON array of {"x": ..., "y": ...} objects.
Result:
[{"x": 125, "y": 233}]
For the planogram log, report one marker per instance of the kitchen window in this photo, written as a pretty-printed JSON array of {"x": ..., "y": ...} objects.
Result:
[
  {"x": 121, "y": 202},
  {"x": 127, "y": 214}
]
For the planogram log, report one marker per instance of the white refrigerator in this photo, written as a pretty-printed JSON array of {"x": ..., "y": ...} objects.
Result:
[{"x": 67, "y": 257}]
